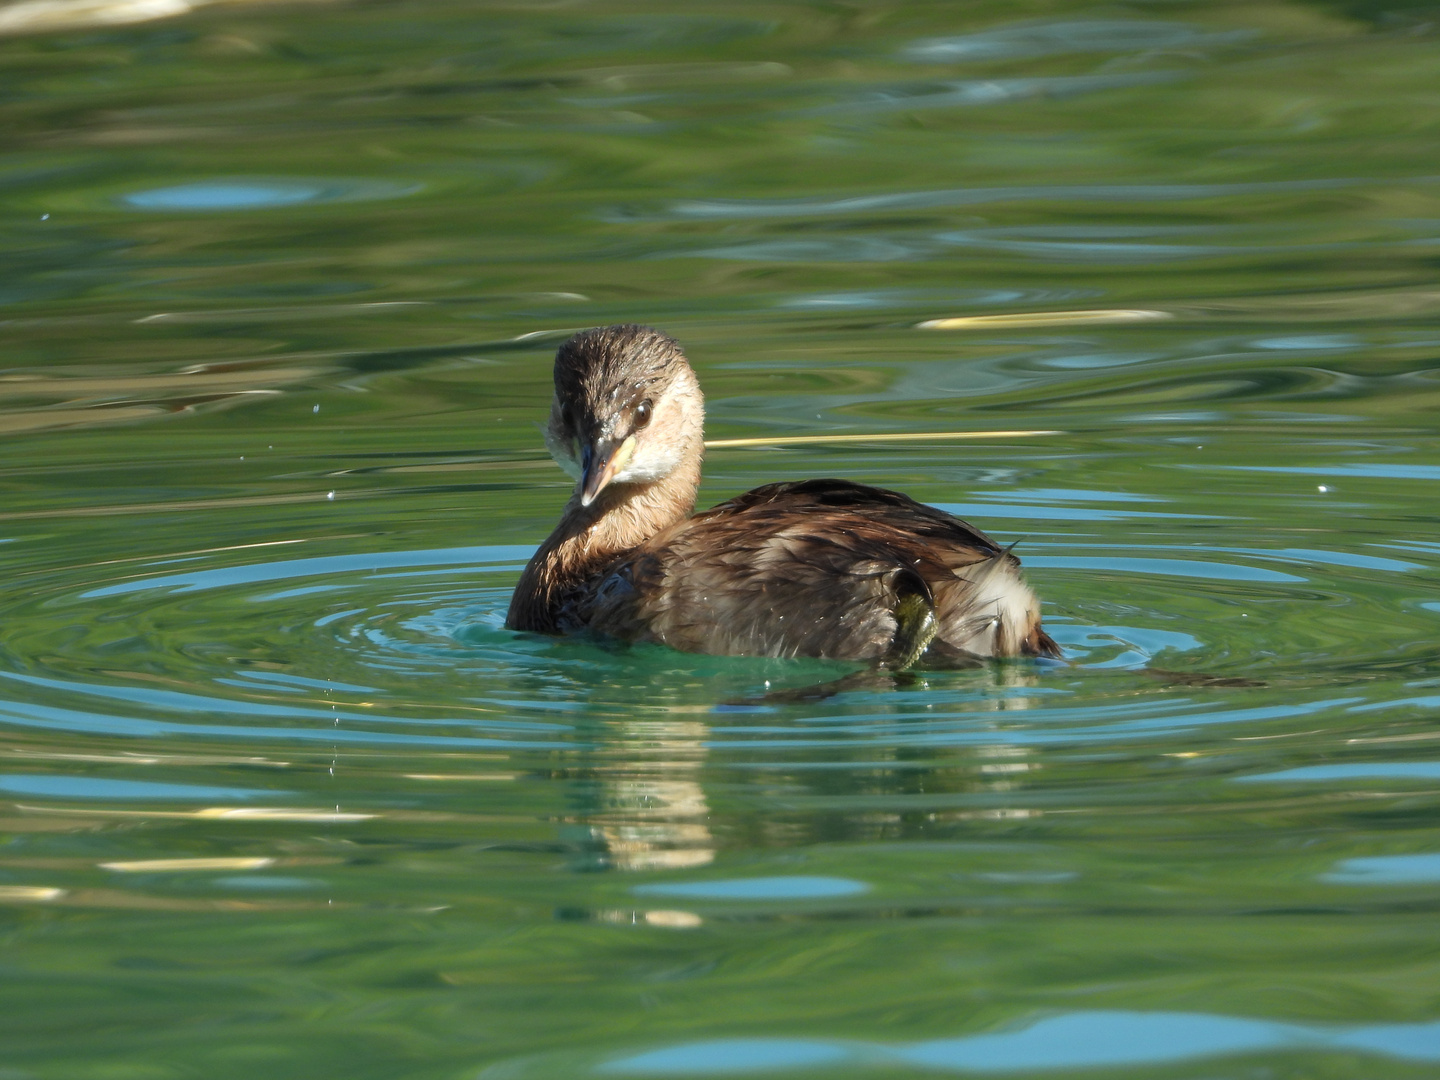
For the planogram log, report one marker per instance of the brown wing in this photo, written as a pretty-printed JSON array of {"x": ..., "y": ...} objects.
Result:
[{"x": 814, "y": 568}]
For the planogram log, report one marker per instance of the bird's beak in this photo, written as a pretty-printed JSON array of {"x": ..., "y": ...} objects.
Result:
[{"x": 599, "y": 462}]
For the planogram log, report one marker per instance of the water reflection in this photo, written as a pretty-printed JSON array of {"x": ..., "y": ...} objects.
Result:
[
  {"x": 1133, "y": 233},
  {"x": 981, "y": 92},
  {"x": 260, "y": 193},
  {"x": 820, "y": 206},
  {"x": 1387, "y": 870},
  {"x": 1048, "y": 38},
  {"x": 795, "y": 887},
  {"x": 1358, "y": 770},
  {"x": 643, "y": 807},
  {"x": 38, "y": 16},
  {"x": 80, "y": 787},
  {"x": 724, "y": 1056},
  {"x": 1079, "y": 1040}
]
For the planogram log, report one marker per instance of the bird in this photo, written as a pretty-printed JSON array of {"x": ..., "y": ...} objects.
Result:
[{"x": 822, "y": 568}]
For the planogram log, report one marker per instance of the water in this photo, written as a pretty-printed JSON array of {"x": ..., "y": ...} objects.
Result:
[{"x": 281, "y": 796}]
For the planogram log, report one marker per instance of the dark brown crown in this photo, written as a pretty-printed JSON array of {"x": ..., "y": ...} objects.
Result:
[{"x": 610, "y": 369}]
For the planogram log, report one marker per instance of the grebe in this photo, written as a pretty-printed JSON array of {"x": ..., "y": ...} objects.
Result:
[{"x": 822, "y": 568}]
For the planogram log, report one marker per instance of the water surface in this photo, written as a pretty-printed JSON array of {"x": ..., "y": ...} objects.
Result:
[{"x": 280, "y": 795}]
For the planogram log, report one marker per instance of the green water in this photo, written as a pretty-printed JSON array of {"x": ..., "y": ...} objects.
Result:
[{"x": 279, "y": 795}]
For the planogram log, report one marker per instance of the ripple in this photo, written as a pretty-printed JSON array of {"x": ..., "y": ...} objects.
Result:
[
  {"x": 353, "y": 667},
  {"x": 266, "y": 883},
  {"x": 1374, "y": 470},
  {"x": 1139, "y": 644},
  {"x": 245, "y": 193},
  {"x": 725, "y": 1056},
  {"x": 1329, "y": 558},
  {"x": 1309, "y": 342},
  {"x": 174, "y": 701},
  {"x": 88, "y": 787},
  {"x": 1029, "y": 725},
  {"x": 839, "y": 249},
  {"x": 1367, "y": 770},
  {"x": 1035, "y": 39},
  {"x": 979, "y": 92},
  {"x": 847, "y": 205},
  {"x": 1078, "y": 1040},
  {"x": 1166, "y": 567},
  {"x": 75, "y": 721},
  {"x": 1048, "y": 512},
  {"x": 878, "y": 299},
  {"x": 324, "y": 565},
  {"x": 1387, "y": 870},
  {"x": 798, "y": 887},
  {"x": 1111, "y": 244},
  {"x": 1075, "y": 495}
]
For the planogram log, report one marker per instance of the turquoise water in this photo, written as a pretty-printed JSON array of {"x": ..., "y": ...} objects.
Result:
[{"x": 1150, "y": 290}]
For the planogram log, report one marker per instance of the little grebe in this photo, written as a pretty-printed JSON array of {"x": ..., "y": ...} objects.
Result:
[{"x": 823, "y": 568}]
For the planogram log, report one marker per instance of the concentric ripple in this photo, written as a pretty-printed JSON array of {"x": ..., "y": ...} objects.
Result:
[{"x": 409, "y": 648}]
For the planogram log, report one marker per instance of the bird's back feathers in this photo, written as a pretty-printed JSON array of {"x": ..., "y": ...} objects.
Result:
[{"x": 816, "y": 568}]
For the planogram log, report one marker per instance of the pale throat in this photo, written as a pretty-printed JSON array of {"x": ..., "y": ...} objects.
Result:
[{"x": 623, "y": 517}]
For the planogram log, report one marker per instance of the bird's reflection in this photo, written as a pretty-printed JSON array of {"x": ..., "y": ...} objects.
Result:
[
  {"x": 638, "y": 803},
  {"x": 641, "y": 806}
]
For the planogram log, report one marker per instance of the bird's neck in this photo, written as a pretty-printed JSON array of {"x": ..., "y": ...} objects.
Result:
[
  {"x": 623, "y": 518},
  {"x": 589, "y": 538}
]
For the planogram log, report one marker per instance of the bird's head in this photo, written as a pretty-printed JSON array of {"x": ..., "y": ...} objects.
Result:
[{"x": 627, "y": 408}]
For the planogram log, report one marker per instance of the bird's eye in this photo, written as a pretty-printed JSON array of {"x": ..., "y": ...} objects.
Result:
[{"x": 642, "y": 414}]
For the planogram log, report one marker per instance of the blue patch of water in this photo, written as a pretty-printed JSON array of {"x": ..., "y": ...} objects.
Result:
[
  {"x": 47, "y": 717},
  {"x": 1170, "y": 567},
  {"x": 322, "y": 565},
  {"x": 223, "y": 195},
  {"x": 1331, "y": 558},
  {"x": 1387, "y": 870},
  {"x": 1302, "y": 342},
  {"x": 258, "y": 193},
  {"x": 301, "y": 682},
  {"x": 1099, "y": 1040},
  {"x": 1380, "y": 770},
  {"x": 1080, "y": 1040},
  {"x": 85, "y": 787}
]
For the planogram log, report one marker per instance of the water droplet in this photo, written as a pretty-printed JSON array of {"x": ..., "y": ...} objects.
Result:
[
  {"x": 330, "y": 495},
  {"x": 1322, "y": 489},
  {"x": 44, "y": 217},
  {"x": 315, "y": 409}
]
